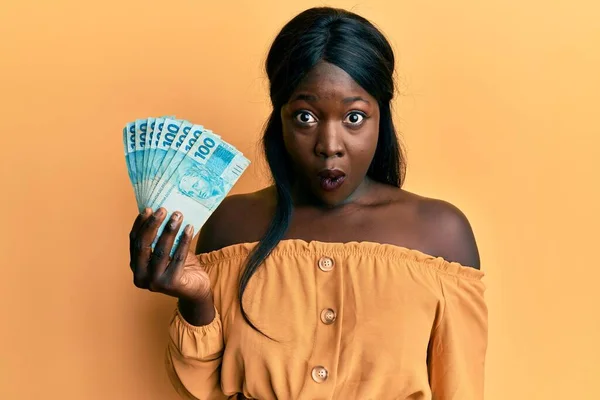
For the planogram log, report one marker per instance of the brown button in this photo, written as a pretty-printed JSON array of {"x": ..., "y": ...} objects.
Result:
[
  {"x": 319, "y": 374},
  {"x": 325, "y": 264},
  {"x": 328, "y": 316}
]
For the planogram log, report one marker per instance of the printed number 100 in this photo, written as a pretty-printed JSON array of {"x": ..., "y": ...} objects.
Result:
[{"x": 204, "y": 148}]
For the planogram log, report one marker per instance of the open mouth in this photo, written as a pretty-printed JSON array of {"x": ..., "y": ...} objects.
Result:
[{"x": 331, "y": 179}]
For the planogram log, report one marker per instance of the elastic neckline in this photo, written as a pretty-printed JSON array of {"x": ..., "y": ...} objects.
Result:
[{"x": 300, "y": 246}]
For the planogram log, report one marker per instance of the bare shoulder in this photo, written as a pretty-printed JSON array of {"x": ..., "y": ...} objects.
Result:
[
  {"x": 446, "y": 230},
  {"x": 240, "y": 218}
]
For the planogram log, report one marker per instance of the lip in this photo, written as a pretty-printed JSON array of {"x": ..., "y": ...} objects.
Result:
[
  {"x": 331, "y": 179},
  {"x": 331, "y": 173}
]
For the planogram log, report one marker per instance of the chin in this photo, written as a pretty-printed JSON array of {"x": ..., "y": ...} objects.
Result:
[{"x": 332, "y": 199}]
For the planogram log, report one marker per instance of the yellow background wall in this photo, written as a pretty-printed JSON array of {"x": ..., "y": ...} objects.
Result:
[{"x": 499, "y": 112}]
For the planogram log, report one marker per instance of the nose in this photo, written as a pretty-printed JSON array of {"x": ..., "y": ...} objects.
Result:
[{"x": 329, "y": 141}]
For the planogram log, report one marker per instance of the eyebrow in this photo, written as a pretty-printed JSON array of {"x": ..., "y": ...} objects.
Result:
[
  {"x": 310, "y": 98},
  {"x": 350, "y": 100}
]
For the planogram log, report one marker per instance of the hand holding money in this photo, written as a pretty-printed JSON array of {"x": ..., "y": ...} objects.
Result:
[
  {"x": 183, "y": 172},
  {"x": 179, "y": 276}
]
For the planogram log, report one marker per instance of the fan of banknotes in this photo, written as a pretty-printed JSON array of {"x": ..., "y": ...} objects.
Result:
[{"x": 181, "y": 166}]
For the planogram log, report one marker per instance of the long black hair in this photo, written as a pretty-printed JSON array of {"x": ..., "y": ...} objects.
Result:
[{"x": 353, "y": 44}]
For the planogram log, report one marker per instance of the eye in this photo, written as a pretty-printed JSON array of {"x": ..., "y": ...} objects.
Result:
[
  {"x": 304, "y": 118},
  {"x": 354, "y": 118}
]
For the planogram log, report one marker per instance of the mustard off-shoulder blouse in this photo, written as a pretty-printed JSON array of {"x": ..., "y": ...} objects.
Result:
[{"x": 355, "y": 320}]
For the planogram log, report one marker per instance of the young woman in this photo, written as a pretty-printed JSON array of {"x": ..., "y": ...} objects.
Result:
[{"x": 334, "y": 283}]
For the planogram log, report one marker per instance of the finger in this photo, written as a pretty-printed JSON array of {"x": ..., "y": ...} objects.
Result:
[
  {"x": 141, "y": 218},
  {"x": 162, "y": 250},
  {"x": 143, "y": 246},
  {"x": 178, "y": 261}
]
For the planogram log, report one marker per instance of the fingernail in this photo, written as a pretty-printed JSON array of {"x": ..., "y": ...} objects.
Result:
[
  {"x": 159, "y": 212},
  {"x": 176, "y": 216},
  {"x": 144, "y": 211},
  {"x": 189, "y": 229}
]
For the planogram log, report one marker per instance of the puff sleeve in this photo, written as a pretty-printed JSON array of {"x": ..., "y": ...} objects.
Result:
[{"x": 193, "y": 358}]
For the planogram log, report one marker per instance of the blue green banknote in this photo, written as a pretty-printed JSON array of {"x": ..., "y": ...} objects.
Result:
[{"x": 180, "y": 166}]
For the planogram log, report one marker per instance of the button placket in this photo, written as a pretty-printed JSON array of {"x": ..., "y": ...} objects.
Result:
[{"x": 327, "y": 339}]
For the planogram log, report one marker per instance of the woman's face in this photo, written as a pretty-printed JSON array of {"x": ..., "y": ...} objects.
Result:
[{"x": 330, "y": 131}]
